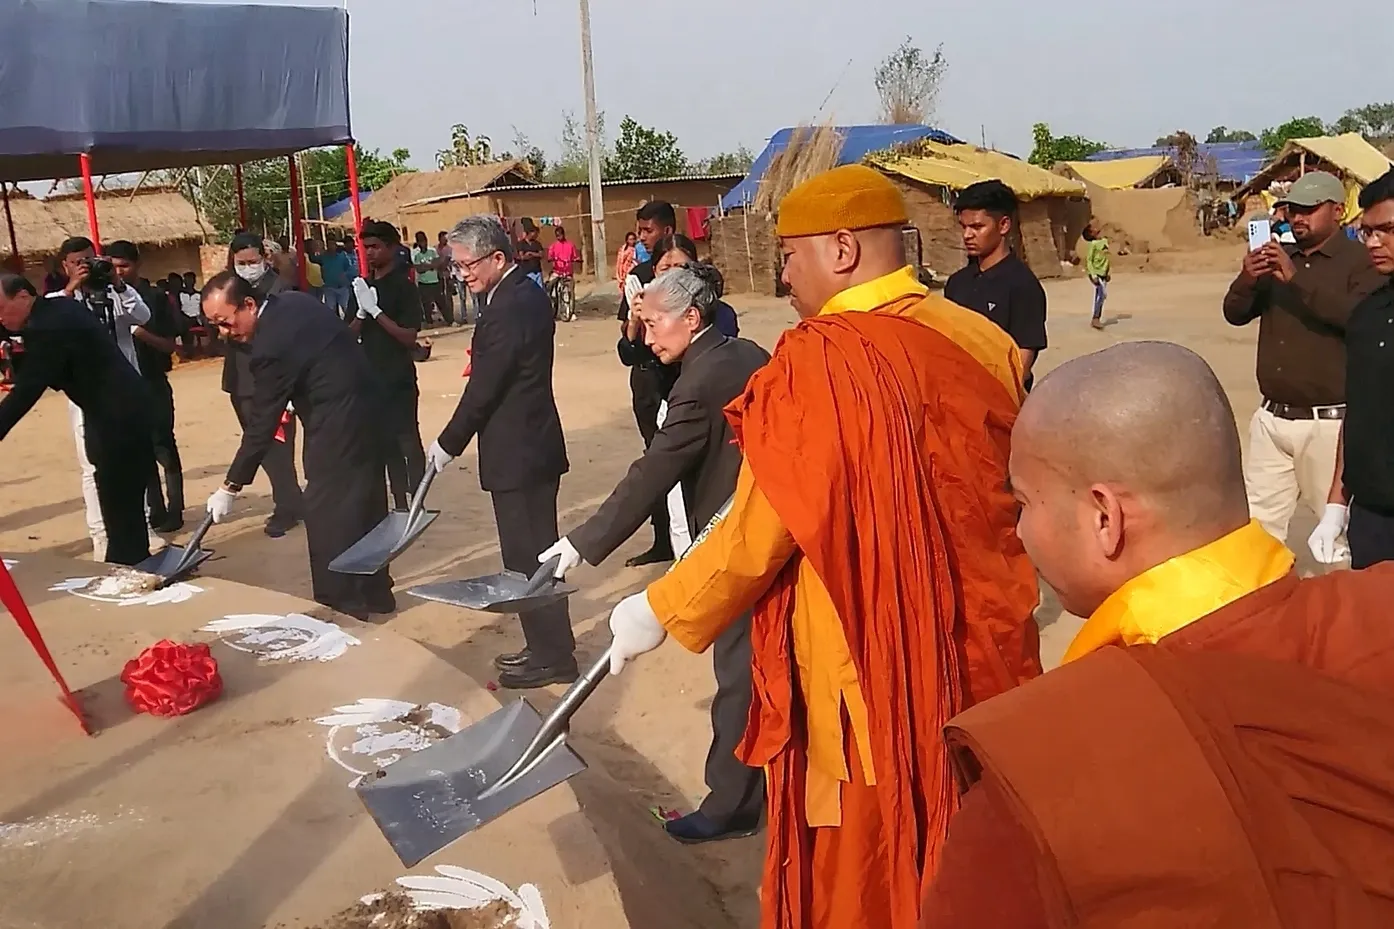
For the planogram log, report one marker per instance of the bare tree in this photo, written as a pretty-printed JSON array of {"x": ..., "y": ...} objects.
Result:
[{"x": 908, "y": 83}]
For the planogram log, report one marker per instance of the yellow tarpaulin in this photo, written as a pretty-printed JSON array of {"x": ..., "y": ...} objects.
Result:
[
  {"x": 957, "y": 166},
  {"x": 1121, "y": 173},
  {"x": 1350, "y": 152}
]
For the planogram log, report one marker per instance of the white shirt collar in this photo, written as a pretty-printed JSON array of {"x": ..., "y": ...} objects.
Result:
[{"x": 507, "y": 271}]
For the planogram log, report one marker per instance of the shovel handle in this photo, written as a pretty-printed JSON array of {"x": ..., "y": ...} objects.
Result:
[
  {"x": 197, "y": 538},
  {"x": 554, "y": 727},
  {"x": 418, "y": 500}
]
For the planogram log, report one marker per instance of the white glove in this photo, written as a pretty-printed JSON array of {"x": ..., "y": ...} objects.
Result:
[
  {"x": 1325, "y": 541},
  {"x": 220, "y": 504},
  {"x": 570, "y": 558},
  {"x": 367, "y": 299},
  {"x": 636, "y": 629},
  {"x": 438, "y": 457}
]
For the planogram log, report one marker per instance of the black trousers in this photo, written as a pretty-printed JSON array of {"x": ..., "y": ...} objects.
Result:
[
  {"x": 646, "y": 389},
  {"x": 737, "y": 792},
  {"x": 170, "y": 498},
  {"x": 436, "y": 295},
  {"x": 527, "y": 524},
  {"x": 279, "y": 464},
  {"x": 406, "y": 459},
  {"x": 343, "y": 505},
  {"x": 1370, "y": 536},
  {"x": 122, "y": 462}
]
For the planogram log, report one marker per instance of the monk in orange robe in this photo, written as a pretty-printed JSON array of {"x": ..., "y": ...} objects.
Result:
[
  {"x": 1214, "y": 753},
  {"x": 871, "y": 532}
]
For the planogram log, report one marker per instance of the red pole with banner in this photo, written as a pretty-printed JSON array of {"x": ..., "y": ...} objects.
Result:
[
  {"x": 12, "y": 601},
  {"x": 85, "y": 163},
  {"x": 241, "y": 197},
  {"x": 297, "y": 232},
  {"x": 352, "y": 160}
]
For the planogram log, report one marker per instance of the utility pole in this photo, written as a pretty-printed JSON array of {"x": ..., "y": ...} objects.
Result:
[{"x": 593, "y": 143}]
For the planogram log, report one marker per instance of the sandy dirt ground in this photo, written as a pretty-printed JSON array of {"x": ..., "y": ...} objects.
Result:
[{"x": 645, "y": 733}]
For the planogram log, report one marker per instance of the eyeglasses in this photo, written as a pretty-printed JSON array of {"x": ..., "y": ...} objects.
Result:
[
  {"x": 467, "y": 267},
  {"x": 1385, "y": 233}
]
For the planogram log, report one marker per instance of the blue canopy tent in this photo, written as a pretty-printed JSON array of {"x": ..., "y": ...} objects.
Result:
[
  {"x": 114, "y": 86},
  {"x": 1235, "y": 162},
  {"x": 857, "y": 143}
]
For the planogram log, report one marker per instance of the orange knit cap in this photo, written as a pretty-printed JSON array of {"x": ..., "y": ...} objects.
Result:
[{"x": 851, "y": 197}]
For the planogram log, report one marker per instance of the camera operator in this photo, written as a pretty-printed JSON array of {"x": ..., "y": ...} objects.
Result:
[{"x": 93, "y": 282}]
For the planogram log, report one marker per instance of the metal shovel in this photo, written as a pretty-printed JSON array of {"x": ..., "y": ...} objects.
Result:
[
  {"x": 505, "y": 592},
  {"x": 431, "y": 798},
  {"x": 389, "y": 538},
  {"x": 172, "y": 562}
]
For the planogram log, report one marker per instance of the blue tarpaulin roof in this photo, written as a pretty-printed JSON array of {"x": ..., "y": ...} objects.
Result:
[
  {"x": 1234, "y": 161},
  {"x": 857, "y": 143},
  {"x": 340, "y": 207}
]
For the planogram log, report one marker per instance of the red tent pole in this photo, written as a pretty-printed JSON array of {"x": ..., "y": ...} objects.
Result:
[
  {"x": 297, "y": 232},
  {"x": 241, "y": 197},
  {"x": 352, "y": 160},
  {"x": 9, "y": 220},
  {"x": 85, "y": 162}
]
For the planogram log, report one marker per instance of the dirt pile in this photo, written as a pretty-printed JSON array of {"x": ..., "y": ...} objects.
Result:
[{"x": 395, "y": 911}]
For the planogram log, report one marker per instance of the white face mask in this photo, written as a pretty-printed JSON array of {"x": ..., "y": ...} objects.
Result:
[{"x": 252, "y": 274}]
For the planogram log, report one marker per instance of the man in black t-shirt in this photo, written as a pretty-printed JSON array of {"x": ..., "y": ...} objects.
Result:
[
  {"x": 529, "y": 253},
  {"x": 155, "y": 347},
  {"x": 995, "y": 282},
  {"x": 386, "y": 314}
]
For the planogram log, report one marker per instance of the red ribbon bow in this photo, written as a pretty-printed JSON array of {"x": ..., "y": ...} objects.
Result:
[{"x": 171, "y": 679}]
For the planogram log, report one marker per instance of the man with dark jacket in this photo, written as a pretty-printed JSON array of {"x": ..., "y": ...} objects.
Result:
[
  {"x": 302, "y": 353},
  {"x": 248, "y": 258},
  {"x": 695, "y": 449},
  {"x": 155, "y": 346},
  {"x": 69, "y": 349},
  {"x": 649, "y": 379},
  {"x": 510, "y": 406}
]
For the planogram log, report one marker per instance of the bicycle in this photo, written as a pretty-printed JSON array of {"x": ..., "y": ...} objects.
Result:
[{"x": 561, "y": 292}]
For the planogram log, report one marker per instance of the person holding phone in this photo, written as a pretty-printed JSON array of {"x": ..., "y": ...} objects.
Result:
[{"x": 1302, "y": 296}]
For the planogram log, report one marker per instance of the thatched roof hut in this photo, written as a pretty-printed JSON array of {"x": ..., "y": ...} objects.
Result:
[
  {"x": 415, "y": 186},
  {"x": 150, "y": 218}
]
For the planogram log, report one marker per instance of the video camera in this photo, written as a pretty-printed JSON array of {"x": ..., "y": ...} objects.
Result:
[{"x": 101, "y": 274}]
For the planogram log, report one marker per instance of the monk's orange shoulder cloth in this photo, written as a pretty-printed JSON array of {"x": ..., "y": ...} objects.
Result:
[{"x": 883, "y": 447}]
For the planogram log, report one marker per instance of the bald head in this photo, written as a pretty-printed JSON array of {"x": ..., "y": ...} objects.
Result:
[{"x": 1138, "y": 435}]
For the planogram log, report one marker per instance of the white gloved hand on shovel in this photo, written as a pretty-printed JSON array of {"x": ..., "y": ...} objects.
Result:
[
  {"x": 367, "y": 299},
  {"x": 220, "y": 504},
  {"x": 1325, "y": 541},
  {"x": 438, "y": 458},
  {"x": 636, "y": 629},
  {"x": 570, "y": 558}
]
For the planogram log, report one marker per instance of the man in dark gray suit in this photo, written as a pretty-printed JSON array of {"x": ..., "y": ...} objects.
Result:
[
  {"x": 695, "y": 450},
  {"x": 509, "y": 404}
]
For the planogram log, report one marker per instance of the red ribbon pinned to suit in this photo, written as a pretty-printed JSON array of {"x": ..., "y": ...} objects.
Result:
[
  {"x": 9, "y": 596},
  {"x": 171, "y": 679},
  {"x": 281, "y": 429}
]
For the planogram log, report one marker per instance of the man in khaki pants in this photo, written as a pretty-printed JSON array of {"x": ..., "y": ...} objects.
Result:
[{"x": 1302, "y": 295}]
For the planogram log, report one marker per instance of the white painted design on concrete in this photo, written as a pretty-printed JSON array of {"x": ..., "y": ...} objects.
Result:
[
  {"x": 9, "y": 563},
  {"x": 41, "y": 830},
  {"x": 372, "y": 733},
  {"x": 290, "y": 637},
  {"x": 453, "y": 888},
  {"x": 126, "y": 588}
]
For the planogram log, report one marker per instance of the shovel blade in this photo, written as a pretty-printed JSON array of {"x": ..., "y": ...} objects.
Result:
[
  {"x": 173, "y": 562},
  {"x": 433, "y": 797},
  {"x": 388, "y": 539},
  {"x": 494, "y": 593}
]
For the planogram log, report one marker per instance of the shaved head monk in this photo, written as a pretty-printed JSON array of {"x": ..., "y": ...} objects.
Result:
[
  {"x": 1215, "y": 750},
  {"x": 871, "y": 531}
]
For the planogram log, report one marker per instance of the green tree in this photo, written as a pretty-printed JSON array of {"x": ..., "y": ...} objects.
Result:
[
  {"x": 1374, "y": 121},
  {"x": 1050, "y": 149},
  {"x": 737, "y": 162},
  {"x": 530, "y": 157},
  {"x": 907, "y": 81},
  {"x": 1299, "y": 127},
  {"x": 573, "y": 165},
  {"x": 1226, "y": 134},
  {"x": 465, "y": 149},
  {"x": 642, "y": 152}
]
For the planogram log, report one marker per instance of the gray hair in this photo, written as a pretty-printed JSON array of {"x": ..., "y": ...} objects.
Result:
[
  {"x": 677, "y": 289},
  {"x": 480, "y": 236}
]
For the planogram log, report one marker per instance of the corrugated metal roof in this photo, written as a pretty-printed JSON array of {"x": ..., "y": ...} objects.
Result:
[
  {"x": 580, "y": 185},
  {"x": 956, "y": 166},
  {"x": 1236, "y": 162},
  {"x": 857, "y": 143},
  {"x": 1121, "y": 173}
]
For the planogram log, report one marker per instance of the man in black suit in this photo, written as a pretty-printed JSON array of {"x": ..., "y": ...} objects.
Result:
[
  {"x": 509, "y": 404},
  {"x": 302, "y": 353},
  {"x": 69, "y": 349},
  {"x": 649, "y": 379},
  {"x": 694, "y": 449}
]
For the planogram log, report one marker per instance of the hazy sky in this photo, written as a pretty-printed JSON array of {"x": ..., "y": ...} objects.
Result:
[{"x": 721, "y": 73}]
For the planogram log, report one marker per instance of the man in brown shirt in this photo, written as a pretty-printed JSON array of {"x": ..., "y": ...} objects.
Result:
[{"x": 1302, "y": 295}]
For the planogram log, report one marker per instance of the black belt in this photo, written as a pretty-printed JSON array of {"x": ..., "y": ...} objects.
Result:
[{"x": 1287, "y": 411}]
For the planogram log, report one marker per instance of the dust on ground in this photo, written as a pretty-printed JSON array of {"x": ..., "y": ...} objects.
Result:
[{"x": 394, "y": 910}]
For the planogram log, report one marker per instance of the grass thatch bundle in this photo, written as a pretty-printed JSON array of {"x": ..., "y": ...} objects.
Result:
[{"x": 811, "y": 150}]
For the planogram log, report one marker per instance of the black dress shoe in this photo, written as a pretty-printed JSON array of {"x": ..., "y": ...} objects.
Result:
[
  {"x": 157, "y": 518},
  {"x": 696, "y": 828},
  {"x": 358, "y": 611},
  {"x": 656, "y": 555},
  {"x": 171, "y": 523},
  {"x": 531, "y": 676},
  {"x": 512, "y": 661},
  {"x": 277, "y": 526},
  {"x": 383, "y": 605}
]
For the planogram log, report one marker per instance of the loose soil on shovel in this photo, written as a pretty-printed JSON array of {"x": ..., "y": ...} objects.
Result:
[{"x": 394, "y": 911}]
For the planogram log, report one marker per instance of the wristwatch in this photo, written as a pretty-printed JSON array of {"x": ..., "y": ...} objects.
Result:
[{"x": 232, "y": 488}]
